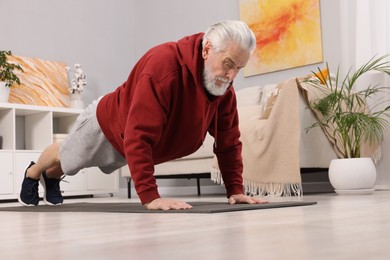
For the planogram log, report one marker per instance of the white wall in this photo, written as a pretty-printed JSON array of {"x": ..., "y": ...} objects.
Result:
[
  {"x": 160, "y": 21},
  {"x": 98, "y": 34}
]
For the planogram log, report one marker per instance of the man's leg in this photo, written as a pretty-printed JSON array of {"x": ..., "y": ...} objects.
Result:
[
  {"x": 48, "y": 161},
  {"x": 48, "y": 171}
]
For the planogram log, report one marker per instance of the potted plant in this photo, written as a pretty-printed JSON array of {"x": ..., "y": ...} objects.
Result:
[
  {"x": 7, "y": 75},
  {"x": 342, "y": 112}
]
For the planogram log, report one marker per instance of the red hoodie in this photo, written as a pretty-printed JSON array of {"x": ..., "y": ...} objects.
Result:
[{"x": 163, "y": 112}]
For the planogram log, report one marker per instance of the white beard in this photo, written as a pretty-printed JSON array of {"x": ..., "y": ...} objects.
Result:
[{"x": 211, "y": 87}]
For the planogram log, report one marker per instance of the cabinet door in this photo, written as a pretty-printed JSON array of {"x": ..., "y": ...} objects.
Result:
[
  {"x": 73, "y": 183},
  {"x": 6, "y": 173},
  {"x": 97, "y": 180}
]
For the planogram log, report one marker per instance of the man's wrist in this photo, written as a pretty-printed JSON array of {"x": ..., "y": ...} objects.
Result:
[
  {"x": 234, "y": 190},
  {"x": 148, "y": 196}
]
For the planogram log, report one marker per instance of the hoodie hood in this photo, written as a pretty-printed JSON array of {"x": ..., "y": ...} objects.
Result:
[{"x": 189, "y": 53}]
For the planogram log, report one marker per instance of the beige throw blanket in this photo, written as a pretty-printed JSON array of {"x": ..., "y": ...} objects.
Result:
[{"x": 271, "y": 146}]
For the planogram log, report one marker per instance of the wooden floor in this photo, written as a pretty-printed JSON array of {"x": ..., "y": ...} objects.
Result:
[{"x": 338, "y": 227}]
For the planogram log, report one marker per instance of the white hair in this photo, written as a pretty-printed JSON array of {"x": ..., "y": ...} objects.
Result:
[{"x": 221, "y": 34}]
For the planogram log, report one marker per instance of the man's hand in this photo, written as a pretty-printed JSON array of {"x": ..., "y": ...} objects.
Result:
[
  {"x": 167, "y": 204},
  {"x": 241, "y": 198}
]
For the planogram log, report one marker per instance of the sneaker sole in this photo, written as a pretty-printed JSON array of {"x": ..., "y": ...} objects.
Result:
[
  {"x": 24, "y": 204},
  {"x": 42, "y": 181}
]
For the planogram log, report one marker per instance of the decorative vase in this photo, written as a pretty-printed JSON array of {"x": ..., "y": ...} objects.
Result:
[
  {"x": 352, "y": 175},
  {"x": 4, "y": 92},
  {"x": 76, "y": 101}
]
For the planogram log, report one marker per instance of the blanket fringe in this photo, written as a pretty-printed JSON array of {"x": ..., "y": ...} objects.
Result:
[
  {"x": 263, "y": 189},
  {"x": 216, "y": 175},
  {"x": 273, "y": 189}
]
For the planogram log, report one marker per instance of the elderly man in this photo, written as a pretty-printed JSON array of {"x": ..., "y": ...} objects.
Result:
[{"x": 175, "y": 94}]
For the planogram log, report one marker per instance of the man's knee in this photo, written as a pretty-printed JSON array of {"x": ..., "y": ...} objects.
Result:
[{"x": 56, "y": 152}]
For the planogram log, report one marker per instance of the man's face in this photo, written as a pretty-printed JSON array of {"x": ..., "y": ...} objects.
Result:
[{"x": 221, "y": 68}]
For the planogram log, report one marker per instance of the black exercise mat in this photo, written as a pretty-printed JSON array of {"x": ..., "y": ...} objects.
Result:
[{"x": 198, "y": 207}]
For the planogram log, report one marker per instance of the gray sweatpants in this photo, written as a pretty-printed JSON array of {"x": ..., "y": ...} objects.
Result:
[{"x": 86, "y": 146}]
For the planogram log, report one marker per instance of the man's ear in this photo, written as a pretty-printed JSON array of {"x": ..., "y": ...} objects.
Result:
[{"x": 206, "y": 50}]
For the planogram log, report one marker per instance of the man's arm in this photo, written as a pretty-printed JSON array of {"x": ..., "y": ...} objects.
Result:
[
  {"x": 228, "y": 151},
  {"x": 228, "y": 146}
]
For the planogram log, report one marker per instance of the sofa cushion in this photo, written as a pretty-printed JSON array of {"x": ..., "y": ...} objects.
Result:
[
  {"x": 249, "y": 96},
  {"x": 180, "y": 166},
  {"x": 256, "y": 95}
]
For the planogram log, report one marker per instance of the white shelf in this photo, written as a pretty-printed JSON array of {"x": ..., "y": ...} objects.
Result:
[
  {"x": 33, "y": 108},
  {"x": 26, "y": 130}
]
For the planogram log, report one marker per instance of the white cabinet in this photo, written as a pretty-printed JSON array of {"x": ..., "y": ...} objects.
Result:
[
  {"x": 22, "y": 161},
  {"x": 97, "y": 180},
  {"x": 6, "y": 173},
  {"x": 25, "y": 131},
  {"x": 74, "y": 184}
]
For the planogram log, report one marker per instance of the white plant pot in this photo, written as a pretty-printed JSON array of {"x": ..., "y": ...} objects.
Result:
[
  {"x": 4, "y": 92},
  {"x": 352, "y": 175}
]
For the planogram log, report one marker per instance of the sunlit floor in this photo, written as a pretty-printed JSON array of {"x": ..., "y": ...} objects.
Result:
[{"x": 338, "y": 227}]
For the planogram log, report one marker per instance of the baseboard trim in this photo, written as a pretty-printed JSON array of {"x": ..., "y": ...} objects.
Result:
[
  {"x": 317, "y": 187},
  {"x": 382, "y": 187}
]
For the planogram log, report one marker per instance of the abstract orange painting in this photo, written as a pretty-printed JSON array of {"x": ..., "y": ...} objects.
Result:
[{"x": 288, "y": 34}]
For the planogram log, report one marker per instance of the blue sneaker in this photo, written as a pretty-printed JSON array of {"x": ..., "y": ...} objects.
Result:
[
  {"x": 29, "y": 193},
  {"x": 52, "y": 195}
]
